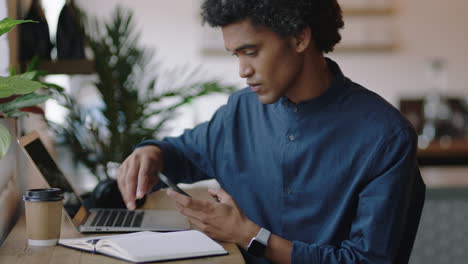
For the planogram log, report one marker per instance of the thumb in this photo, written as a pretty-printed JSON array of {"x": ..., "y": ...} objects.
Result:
[{"x": 221, "y": 195}]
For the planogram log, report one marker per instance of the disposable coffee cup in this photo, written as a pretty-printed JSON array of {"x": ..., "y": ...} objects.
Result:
[{"x": 43, "y": 216}]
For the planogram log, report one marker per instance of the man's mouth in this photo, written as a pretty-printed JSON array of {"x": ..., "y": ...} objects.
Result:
[{"x": 255, "y": 87}]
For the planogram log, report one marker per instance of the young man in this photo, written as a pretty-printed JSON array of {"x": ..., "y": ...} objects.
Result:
[{"x": 314, "y": 168}]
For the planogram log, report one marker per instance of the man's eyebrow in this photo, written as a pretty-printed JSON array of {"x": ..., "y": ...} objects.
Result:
[{"x": 243, "y": 47}]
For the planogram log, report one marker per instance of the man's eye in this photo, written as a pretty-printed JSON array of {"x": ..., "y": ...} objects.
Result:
[{"x": 251, "y": 53}]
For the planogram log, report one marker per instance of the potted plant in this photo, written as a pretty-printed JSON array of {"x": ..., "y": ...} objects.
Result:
[
  {"x": 134, "y": 105},
  {"x": 18, "y": 92},
  {"x": 18, "y": 97}
]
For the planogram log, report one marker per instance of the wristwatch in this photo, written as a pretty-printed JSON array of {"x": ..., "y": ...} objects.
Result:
[{"x": 259, "y": 243}]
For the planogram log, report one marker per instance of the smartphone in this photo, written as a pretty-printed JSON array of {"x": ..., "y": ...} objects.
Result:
[{"x": 172, "y": 185}]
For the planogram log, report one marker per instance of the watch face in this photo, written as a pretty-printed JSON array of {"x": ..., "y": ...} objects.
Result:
[{"x": 256, "y": 248}]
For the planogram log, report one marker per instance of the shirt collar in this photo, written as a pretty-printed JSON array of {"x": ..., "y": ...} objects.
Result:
[{"x": 337, "y": 87}]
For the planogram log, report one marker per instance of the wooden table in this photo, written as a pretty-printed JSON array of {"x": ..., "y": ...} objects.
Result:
[{"x": 15, "y": 249}]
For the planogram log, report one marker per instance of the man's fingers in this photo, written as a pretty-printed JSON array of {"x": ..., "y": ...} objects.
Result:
[
  {"x": 121, "y": 180},
  {"x": 221, "y": 195},
  {"x": 143, "y": 181},
  {"x": 196, "y": 224},
  {"x": 187, "y": 202},
  {"x": 179, "y": 198},
  {"x": 130, "y": 186},
  {"x": 135, "y": 174},
  {"x": 191, "y": 213},
  {"x": 214, "y": 194}
]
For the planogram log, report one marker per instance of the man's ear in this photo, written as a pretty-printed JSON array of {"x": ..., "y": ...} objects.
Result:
[{"x": 303, "y": 39}]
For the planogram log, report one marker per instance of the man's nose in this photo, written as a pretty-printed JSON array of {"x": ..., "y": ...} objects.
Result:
[{"x": 245, "y": 70}]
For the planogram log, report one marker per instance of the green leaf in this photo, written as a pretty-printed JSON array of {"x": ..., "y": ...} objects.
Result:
[
  {"x": 52, "y": 85},
  {"x": 7, "y": 24},
  {"x": 16, "y": 114},
  {"x": 5, "y": 139},
  {"x": 23, "y": 101},
  {"x": 33, "y": 65},
  {"x": 17, "y": 85},
  {"x": 12, "y": 70},
  {"x": 29, "y": 75}
]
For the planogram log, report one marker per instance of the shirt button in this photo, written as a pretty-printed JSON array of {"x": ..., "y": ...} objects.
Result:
[
  {"x": 292, "y": 137},
  {"x": 295, "y": 110},
  {"x": 288, "y": 191}
]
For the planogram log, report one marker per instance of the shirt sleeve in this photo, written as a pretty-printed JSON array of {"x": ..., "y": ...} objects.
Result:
[
  {"x": 191, "y": 156},
  {"x": 381, "y": 212}
]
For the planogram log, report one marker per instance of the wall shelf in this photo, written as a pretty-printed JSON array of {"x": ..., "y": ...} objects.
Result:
[
  {"x": 368, "y": 11},
  {"x": 369, "y": 27},
  {"x": 366, "y": 48},
  {"x": 455, "y": 153},
  {"x": 458, "y": 147},
  {"x": 67, "y": 66},
  {"x": 70, "y": 67},
  {"x": 438, "y": 152}
]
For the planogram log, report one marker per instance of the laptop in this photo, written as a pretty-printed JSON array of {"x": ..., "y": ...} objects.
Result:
[{"x": 98, "y": 219}]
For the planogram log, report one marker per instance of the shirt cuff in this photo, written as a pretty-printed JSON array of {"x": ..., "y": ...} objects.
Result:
[
  {"x": 167, "y": 150},
  {"x": 304, "y": 253}
]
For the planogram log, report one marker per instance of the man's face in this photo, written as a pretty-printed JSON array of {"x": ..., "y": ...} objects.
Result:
[{"x": 270, "y": 64}]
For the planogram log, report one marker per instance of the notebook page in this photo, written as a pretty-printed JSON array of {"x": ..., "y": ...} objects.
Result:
[
  {"x": 83, "y": 243},
  {"x": 151, "y": 246}
]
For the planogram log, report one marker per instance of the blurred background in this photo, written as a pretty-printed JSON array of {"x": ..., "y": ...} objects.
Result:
[{"x": 409, "y": 52}]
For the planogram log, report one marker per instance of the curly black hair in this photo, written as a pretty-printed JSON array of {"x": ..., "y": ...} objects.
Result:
[{"x": 285, "y": 17}]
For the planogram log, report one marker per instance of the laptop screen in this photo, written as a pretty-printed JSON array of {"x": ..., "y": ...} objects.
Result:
[{"x": 53, "y": 175}]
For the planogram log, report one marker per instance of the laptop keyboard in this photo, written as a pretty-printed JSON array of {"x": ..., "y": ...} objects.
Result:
[{"x": 118, "y": 218}]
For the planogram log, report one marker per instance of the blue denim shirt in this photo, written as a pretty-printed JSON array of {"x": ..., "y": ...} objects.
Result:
[{"x": 337, "y": 175}]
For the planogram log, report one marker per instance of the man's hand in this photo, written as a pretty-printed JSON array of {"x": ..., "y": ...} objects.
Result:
[
  {"x": 223, "y": 220},
  {"x": 138, "y": 173}
]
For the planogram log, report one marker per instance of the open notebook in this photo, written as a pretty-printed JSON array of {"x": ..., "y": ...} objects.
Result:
[{"x": 149, "y": 246}]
